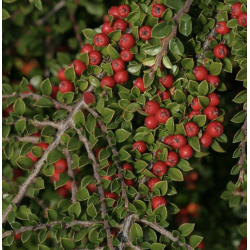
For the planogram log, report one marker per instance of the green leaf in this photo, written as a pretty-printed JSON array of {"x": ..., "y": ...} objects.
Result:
[
  {"x": 44, "y": 102},
  {"x": 89, "y": 34},
  {"x": 200, "y": 120},
  {"x": 157, "y": 246},
  {"x": 175, "y": 174},
  {"x": 195, "y": 240},
  {"x": 241, "y": 97},
  {"x": 135, "y": 232},
  {"x": 19, "y": 107},
  {"x": 25, "y": 236},
  {"x": 38, "y": 184},
  {"x": 176, "y": 46},
  {"x": 113, "y": 52},
  {"x": 242, "y": 75},
  {"x": 170, "y": 127},
  {"x": 20, "y": 126},
  {"x": 70, "y": 73},
  {"x": 216, "y": 147},
  {"x": 75, "y": 210},
  {"x": 166, "y": 62},
  {"x": 79, "y": 118},
  {"x": 53, "y": 156},
  {"x": 161, "y": 30},
  {"x": 239, "y": 117},
  {"x": 94, "y": 81},
  {"x": 91, "y": 210},
  {"x": 186, "y": 229},
  {"x": 187, "y": 63},
  {"x": 194, "y": 143},
  {"x": 122, "y": 135},
  {"x": 161, "y": 188},
  {"x": 52, "y": 215},
  {"x": 63, "y": 58},
  {"x": 82, "y": 194},
  {"x": 24, "y": 162},
  {"x": 38, "y": 4},
  {"x": 243, "y": 229},
  {"x": 107, "y": 115},
  {"x": 215, "y": 68},
  {"x": 42, "y": 247},
  {"x": 5, "y": 14},
  {"x": 46, "y": 87},
  {"x": 67, "y": 244},
  {"x": 185, "y": 26}
]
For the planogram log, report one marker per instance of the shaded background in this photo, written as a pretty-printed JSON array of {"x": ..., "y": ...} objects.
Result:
[{"x": 33, "y": 43}]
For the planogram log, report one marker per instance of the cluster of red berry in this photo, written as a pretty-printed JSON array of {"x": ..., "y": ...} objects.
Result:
[{"x": 238, "y": 14}]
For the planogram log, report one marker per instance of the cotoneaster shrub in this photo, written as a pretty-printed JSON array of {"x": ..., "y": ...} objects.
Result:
[{"x": 115, "y": 136}]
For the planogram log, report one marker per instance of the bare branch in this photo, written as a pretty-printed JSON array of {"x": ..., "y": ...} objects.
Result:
[
  {"x": 164, "y": 232},
  {"x": 71, "y": 175},
  {"x": 95, "y": 164},
  {"x": 31, "y": 139},
  {"x": 173, "y": 33},
  {"x": 37, "y": 97},
  {"x": 49, "y": 225},
  {"x": 129, "y": 244},
  {"x": 38, "y": 166}
]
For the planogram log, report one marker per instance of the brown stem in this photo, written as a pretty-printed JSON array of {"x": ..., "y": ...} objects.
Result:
[
  {"x": 241, "y": 194},
  {"x": 165, "y": 232},
  {"x": 130, "y": 245},
  {"x": 97, "y": 176},
  {"x": 173, "y": 33},
  {"x": 113, "y": 149},
  {"x": 31, "y": 139},
  {"x": 37, "y": 97},
  {"x": 39, "y": 165},
  {"x": 71, "y": 175},
  {"x": 49, "y": 225}
]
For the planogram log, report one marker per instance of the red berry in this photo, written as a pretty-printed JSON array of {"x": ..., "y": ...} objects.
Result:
[
  {"x": 158, "y": 201},
  {"x": 9, "y": 110},
  {"x": 151, "y": 122},
  {"x": 126, "y": 55},
  {"x": 129, "y": 182},
  {"x": 236, "y": 9},
  {"x": 87, "y": 48},
  {"x": 111, "y": 196},
  {"x": 43, "y": 145},
  {"x": 214, "y": 99},
  {"x": 141, "y": 146},
  {"x": 152, "y": 182},
  {"x": 123, "y": 10},
  {"x": 31, "y": 89},
  {"x": 151, "y": 107},
  {"x": 168, "y": 140},
  {"x": 157, "y": 10},
  {"x": 200, "y": 73},
  {"x": 215, "y": 129},
  {"x": 206, "y": 140},
  {"x": 97, "y": 151},
  {"x": 178, "y": 141},
  {"x": 32, "y": 157},
  {"x": 18, "y": 236},
  {"x": 242, "y": 19},
  {"x": 106, "y": 27},
  {"x": 121, "y": 77},
  {"x": 167, "y": 81},
  {"x": 243, "y": 244},
  {"x": 191, "y": 129},
  {"x": 108, "y": 81},
  {"x": 61, "y": 166},
  {"x": 193, "y": 113},
  {"x": 120, "y": 25},
  {"x": 220, "y": 51},
  {"x": 186, "y": 152},
  {"x": 60, "y": 75},
  {"x": 54, "y": 91},
  {"x": 55, "y": 177},
  {"x": 88, "y": 98},
  {"x": 68, "y": 185},
  {"x": 139, "y": 84},
  {"x": 95, "y": 57},
  {"x": 160, "y": 168},
  {"x": 92, "y": 187},
  {"x": 195, "y": 105},
  {"x": 118, "y": 65},
  {"x": 63, "y": 192},
  {"x": 66, "y": 86},
  {"x": 127, "y": 41},
  {"x": 79, "y": 67},
  {"x": 145, "y": 32},
  {"x": 114, "y": 12},
  {"x": 113, "y": 232},
  {"x": 165, "y": 95},
  {"x": 211, "y": 112},
  {"x": 109, "y": 178},
  {"x": 101, "y": 40},
  {"x": 162, "y": 115},
  {"x": 17, "y": 172},
  {"x": 172, "y": 159},
  {"x": 221, "y": 28},
  {"x": 127, "y": 166},
  {"x": 215, "y": 80}
]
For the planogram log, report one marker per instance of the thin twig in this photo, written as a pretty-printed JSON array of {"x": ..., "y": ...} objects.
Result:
[
  {"x": 71, "y": 175},
  {"x": 165, "y": 232},
  {"x": 39, "y": 165},
  {"x": 130, "y": 245},
  {"x": 113, "y": 149},
  {"x": 97, "y": 176},
  {"x": 49, "y": 225},
  {"x": 57, "y": 7},
  {"x": 38, "y": 97},
  {"x": 32, "y": 139},
  {"x": 173, "y": 33}
]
